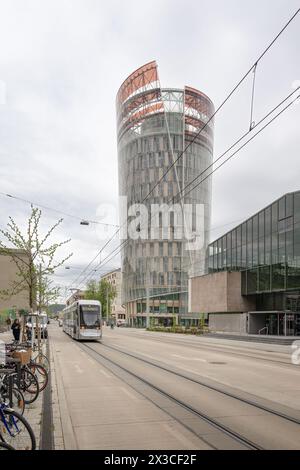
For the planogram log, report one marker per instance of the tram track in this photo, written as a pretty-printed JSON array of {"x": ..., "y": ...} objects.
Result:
[
  {"x": 211, "y": 387},
  {"x": 219, "y": 349},
  {"x": 236, "y": 437}
]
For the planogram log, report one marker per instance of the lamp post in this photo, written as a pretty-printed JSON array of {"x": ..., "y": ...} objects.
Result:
[{"x": 107, "y": 303}]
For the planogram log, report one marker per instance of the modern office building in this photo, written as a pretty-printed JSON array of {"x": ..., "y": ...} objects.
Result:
[
  {"x": 154, "y": 126},
  {"x": 114, "y": 278},
  {"x": 253, "y": 280},
  {"x": 78, "y": 294}
]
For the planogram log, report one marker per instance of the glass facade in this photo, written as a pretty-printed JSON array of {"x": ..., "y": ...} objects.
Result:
[
  {"x": 266, "y": 248},
  {"x": 154, "y": 127}
]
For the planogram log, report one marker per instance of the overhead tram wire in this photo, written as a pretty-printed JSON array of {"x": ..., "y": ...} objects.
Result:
[
  {"x": 238, "y": 141},
  {"x": 247, "y": 141},
  {"x": 72, "y": 216},
  {"x": 212, "y": 117},
  {"x": 95, "y": 257},
  {"x": 204, "y": 258},
  {"x": 225, "y": 161},
  {"x": 217, "y": 110},
  {"x": 254, "y": 66},
  {"x": 91, "y": 273},
  {"x": 119, "y": 248},
  {"x": 231, "y": 156}
]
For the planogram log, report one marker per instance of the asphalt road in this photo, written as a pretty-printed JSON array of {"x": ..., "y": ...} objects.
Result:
[{"x": 143, "y": 390}]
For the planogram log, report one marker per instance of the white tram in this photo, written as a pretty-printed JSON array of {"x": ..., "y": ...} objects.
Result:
[{"x": 82, "y": 320}]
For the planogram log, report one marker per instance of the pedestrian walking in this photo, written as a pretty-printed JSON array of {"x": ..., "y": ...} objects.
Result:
[{"x": 16, "y": 328}]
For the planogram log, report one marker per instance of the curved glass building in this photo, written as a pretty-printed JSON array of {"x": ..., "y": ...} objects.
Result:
[{"x": 159, "y": 128}]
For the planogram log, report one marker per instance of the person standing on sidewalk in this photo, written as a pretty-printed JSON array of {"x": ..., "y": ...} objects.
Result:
[
  {"x": 8, "y": 322},
  {"x": 16, "y": 327}
]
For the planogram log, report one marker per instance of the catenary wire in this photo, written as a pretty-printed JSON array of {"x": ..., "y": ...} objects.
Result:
[
  {"x": 56, "y": 210},
  {"x": 213, "y": 171},
  {"x": 205, "y": 125}
]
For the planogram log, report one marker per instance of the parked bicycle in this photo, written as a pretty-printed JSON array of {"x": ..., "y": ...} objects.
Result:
[
  {"x": 22, "y": 378},
  {"x": 15, "y": 429}
]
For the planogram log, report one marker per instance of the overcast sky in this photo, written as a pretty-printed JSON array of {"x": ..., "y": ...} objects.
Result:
[{"x": 61, "y": 64}]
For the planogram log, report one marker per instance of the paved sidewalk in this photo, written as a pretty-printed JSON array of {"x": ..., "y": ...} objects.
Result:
[
  {"x": 59, "y": 440},
  {"x": 33, "y": 412},
  {"x": 100, "y": 411}
]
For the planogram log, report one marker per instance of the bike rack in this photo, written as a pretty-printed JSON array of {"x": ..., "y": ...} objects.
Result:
[{"x": 264, "y": 328}]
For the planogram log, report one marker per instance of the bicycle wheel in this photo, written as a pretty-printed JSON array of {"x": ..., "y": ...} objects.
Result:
[
  {"x": 4, "y": 446},
  {"x": 40, "y": 373},
  {"x": 42, "y": 360},
  {"x": 18, "y": 401},
  {"x": 16, "y": 431},
  {"x": 29, "y": 386},
  {"x": 15, "y": 398}
]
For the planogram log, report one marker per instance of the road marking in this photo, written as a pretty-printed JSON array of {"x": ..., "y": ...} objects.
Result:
[
  {"x": 90, "y": 360},
  {"x": 189, "y": 358},
  {"x": 78, "y": 368},
  {"x": 185, "y": 442},
  {"x": 104, "y": 373},
  {"x": 148, "y": 355},
  {"x": 210, "y": 376},
  {"x": 129, "y": 394}
]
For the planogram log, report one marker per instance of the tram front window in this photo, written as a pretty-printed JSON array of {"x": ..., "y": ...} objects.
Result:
[{"x": 89, "y": 317}]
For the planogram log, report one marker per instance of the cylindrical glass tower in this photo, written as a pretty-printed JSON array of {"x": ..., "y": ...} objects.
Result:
[{"x": 155, "y": 126}]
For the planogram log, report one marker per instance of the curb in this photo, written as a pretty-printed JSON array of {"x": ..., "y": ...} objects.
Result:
[
  {"x": 66, "y": 423},
  {"x": 46, "y": 439}
]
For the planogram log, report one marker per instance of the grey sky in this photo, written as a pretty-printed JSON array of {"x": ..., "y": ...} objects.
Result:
[{"x": 62, "y": 62}]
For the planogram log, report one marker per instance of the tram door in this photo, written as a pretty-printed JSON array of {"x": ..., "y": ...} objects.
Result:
[{"x": 75, "y": 324}]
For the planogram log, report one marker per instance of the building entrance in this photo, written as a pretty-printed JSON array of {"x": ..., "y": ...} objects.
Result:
[{"x": 274, "y": 323}]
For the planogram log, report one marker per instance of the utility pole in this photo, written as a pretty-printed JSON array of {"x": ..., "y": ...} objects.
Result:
[
  {"x": 148, "y": 299},
  {"x": 39, "y": 295}
]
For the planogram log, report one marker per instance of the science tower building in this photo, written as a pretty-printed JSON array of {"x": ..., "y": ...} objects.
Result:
[{"x": 158, "y": 128}]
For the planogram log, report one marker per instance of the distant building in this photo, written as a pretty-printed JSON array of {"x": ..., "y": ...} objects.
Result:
[
  {"x": 76, "y": 295},
  {"x": 8, "y": 275},
  {"x": 252, "y": 283},
  {"x": 114, "y": 278}
]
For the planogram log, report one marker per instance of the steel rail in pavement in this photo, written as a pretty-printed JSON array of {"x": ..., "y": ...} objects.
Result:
[{"x": 224, "y": 429}]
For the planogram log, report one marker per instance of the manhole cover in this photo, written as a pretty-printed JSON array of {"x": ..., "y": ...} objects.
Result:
[{"x": 216, "y": 362}]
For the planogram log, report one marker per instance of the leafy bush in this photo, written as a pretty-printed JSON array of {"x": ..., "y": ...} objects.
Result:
[{"x": 192, "y": 330}]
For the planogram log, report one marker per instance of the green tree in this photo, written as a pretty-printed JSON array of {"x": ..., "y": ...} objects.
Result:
[
  {"x": 104, "y": 292},
  {"x": 47, "y": 293},
  {"x": 92, "y": 291},
  {"x": 33, "y": 256}
]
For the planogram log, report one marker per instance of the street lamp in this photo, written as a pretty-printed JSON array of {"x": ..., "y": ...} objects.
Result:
[{"x": 73, "y": 267}]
